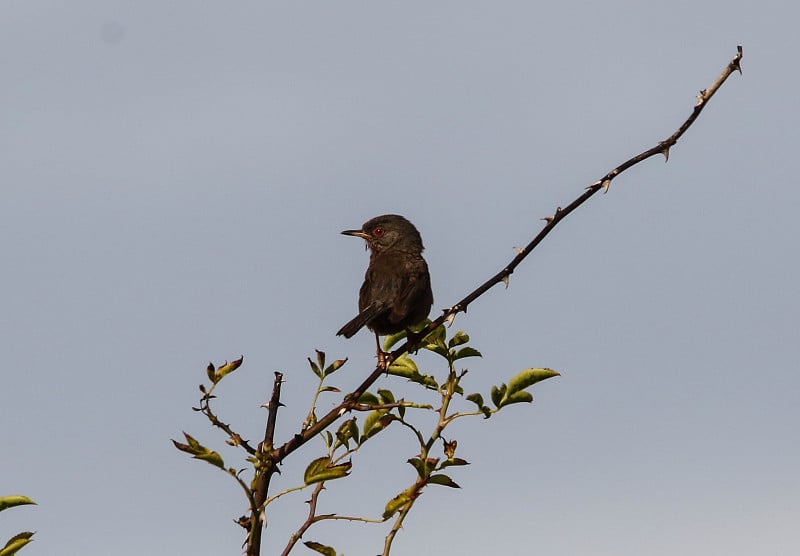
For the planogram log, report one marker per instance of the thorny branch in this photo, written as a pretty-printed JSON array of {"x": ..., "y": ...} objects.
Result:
[
  {"x": 265, "y": 469},
  {"x": 278, "y": 454}
]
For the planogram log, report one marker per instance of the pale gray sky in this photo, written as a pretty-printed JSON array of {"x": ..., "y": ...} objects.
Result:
[{"x": 173, "y": 180}]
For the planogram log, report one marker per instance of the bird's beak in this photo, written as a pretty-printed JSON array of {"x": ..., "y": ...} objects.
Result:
[{"x": 356, "y": 233}]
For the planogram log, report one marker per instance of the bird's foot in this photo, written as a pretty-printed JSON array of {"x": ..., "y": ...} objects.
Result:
[{"x": 383, "y": 363}]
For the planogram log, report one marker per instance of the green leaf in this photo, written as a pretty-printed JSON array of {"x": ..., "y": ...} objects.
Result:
[
  {"x": 14, "y": 500},
  {"x": 437, "y": 347},
  {"x": 330, "y": 389},
  {"x": 368, "y": 398},
  {"x": 466, "y": 352},
  {"x": 335, "y": 366},
  {"x": 437, "y": 335},
  {"x": 518, "y": 397},
  {"x": 227, "y": 369},
  {"x": 386, "y": 396},
  {"x": 515, "y": 392},
  {"x": 321, "y": 469},
  {"x": 320, "y": 358},
  {"x": 424, "y": 467},
  {"x": 458, "y": 338},
  {"x": 393, "y": 339},
  {"x": 345, "y": 433},
  {"x": 406, "y": 368},
  {"x": 375, "y": 422},
  {"x": 321, "y": 548},
  {"x": 453, "y": 461},
  {"x": 403, "y": 364},
  {"x": 477, "y": 399},
  {"x": 497, "y": 394},
  {"x": 198, "y": 451},
  {"x": 213, "y": 458},
  {"x": 315, "y": 368},
  {"x": 444, "y": 480},
  {"x": 398, "y": 503},
  {"x": 419, "y": 465},
  {"x": 529, "y": 377},
  {"x": 15, "y": 543}
]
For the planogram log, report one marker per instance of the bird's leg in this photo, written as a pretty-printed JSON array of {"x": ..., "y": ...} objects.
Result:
[{"x": 381, "y": 354}]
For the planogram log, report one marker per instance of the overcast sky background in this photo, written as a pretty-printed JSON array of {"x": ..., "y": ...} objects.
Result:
[{"x": 173, "y": 180}]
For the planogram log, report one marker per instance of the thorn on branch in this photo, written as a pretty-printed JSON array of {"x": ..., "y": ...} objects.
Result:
[{"x": 738, "y": 59}]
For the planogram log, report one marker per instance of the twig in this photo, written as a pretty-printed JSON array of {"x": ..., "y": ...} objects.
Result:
[{"x": 312, "y": 509}]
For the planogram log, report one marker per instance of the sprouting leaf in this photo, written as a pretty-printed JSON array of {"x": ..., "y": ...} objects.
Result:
[
  {"x": 227, "y": 369},
  {"x": 320, "y": 358},
  {"x": 14, "y": 500},
  {"x": 419, "y": 465},
  {"x": 321, "y": 548},
  {"x": 398, "y": 503},
  {"x": 497, "y": 394},
  {"x": 321, "y": 469},
  {"x": 477, "y": 399},
  {"x": 198, "y": 451},
  {"x": 15, "y": 543},
  {"x": 449, "y": 447},
  {"x": 444, "y": 480},
  {"x": 345, "y": 432},
  {"x": 466, "y": 352},
  {"x": 315, "y": 368},
  {"x": 335, "y": 366},
  {"x": 453, "y": 461},
  {"x": 211, "y": 372},
  {"x": 458, "y": 338},
  {"x": 329, "y": 389}
]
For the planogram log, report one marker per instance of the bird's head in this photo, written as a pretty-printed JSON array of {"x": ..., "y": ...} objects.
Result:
[{"x": 389, "y": 232}]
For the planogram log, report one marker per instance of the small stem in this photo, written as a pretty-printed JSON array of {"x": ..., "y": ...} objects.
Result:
[{"x": 312, "y": 509}]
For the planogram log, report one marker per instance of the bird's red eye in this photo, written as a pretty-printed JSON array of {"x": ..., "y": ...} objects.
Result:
[{"x": 378, "y": 232}]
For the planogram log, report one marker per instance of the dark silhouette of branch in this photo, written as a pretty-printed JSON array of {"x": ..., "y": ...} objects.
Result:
[{"x": 268, "y": 466}]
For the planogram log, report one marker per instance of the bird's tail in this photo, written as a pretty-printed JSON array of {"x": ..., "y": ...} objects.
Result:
[{"x": 361, "y": 319}]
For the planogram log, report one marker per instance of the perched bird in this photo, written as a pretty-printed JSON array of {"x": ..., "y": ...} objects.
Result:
[{"x": 396, "y": 292}]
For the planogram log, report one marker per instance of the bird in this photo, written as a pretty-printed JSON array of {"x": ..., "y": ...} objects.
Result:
[{"x": 396, "y": 292}]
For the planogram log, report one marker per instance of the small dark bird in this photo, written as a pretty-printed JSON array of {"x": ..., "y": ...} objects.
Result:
[{"x": 396, "y": 293}]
